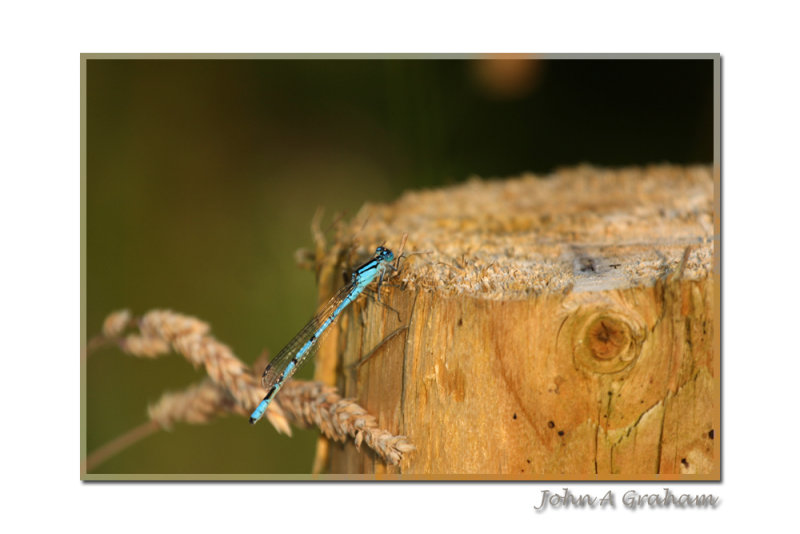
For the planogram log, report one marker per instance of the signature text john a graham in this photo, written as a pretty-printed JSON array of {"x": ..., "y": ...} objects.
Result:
[{"x": 632, "y": 500}]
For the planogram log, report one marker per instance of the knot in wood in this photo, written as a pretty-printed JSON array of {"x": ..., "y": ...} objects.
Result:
[
  {"x": 606, "y": 341},
  {"x": 606, "y": 338}
]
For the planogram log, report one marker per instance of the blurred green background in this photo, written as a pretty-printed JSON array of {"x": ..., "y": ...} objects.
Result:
[{"x": 203, "y": 176}]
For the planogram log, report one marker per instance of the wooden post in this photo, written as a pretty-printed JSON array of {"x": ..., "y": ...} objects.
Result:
[{"x": 556, "y": 327}]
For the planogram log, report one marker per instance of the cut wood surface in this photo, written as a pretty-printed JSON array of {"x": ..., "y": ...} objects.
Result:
[{"x": 548, "y": 327}]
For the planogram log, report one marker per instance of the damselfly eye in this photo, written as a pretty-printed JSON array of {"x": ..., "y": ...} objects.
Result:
[{"x": 384, "y": 254}]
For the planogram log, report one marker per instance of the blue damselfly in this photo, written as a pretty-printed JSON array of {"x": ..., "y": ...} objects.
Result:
[{"x": 283, "y": 366}]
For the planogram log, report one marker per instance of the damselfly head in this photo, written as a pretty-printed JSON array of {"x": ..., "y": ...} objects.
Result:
[{"x": 384, "y": 254}]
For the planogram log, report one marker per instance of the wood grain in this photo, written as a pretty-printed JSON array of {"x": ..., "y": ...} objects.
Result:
[{"x": 555, "y": 327}]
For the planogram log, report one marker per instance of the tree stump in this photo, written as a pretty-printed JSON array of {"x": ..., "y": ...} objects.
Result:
[{"x": 551, "y": 327}]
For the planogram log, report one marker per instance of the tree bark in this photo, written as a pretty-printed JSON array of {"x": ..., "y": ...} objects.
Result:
[{"x": 556, "y": 327}]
